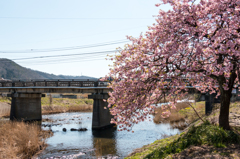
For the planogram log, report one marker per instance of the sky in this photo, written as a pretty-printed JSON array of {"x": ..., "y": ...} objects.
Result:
[{"x": 71, "y": 37}]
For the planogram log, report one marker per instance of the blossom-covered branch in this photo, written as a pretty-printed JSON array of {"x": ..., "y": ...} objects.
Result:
[{"x": 195, "y": 41}]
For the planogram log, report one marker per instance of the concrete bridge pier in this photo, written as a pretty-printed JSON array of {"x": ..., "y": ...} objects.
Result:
[
  {"x": 101, "y": 117},
  {"x": 210, "y": 99},
  {"x": 26, "y": 107}
]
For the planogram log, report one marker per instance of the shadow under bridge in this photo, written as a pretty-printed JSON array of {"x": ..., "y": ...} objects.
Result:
[{"x": 26, "y": 98}]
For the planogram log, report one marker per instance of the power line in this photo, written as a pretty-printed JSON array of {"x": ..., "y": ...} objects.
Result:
[
  {"x": 66, "y": 48},
  {"x": 72, "y": 61},
  {"x": 97, "y": 59},
  {"x": 65, "y": 61},
  {"x": 44, "y": 61},
  {"x": 41, "y": 18},
  {"x": 85, "y": 55},
  {"x": 41, "y": 57}
]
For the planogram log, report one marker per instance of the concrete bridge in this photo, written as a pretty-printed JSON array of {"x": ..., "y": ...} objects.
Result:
[{"x": 26, "y": 98}]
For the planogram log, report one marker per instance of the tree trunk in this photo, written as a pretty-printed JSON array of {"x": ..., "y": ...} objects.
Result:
[{"x": 224, "y": 109}]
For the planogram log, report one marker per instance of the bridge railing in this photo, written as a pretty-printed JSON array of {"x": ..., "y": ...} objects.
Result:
[{"x": 51, "y": 83}]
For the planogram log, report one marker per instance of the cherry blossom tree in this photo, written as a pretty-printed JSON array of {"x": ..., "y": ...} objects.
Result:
[{"x": 195, "y": 40}]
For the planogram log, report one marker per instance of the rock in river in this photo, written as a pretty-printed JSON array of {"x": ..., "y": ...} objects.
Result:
[{"x": 80, "y": 129}]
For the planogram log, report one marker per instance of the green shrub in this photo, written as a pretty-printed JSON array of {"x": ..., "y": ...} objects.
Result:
[{"x": 205, "y": 134}]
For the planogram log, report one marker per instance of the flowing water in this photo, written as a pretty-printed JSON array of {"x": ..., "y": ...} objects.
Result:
[{"x": 108, "y": 143}]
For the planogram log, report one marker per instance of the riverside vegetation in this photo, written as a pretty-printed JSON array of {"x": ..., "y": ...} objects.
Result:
[
  {"x": 24, "y": 140},
  {"x": 200, "y": 139},
  {"x": 61, "y": 105},
  {"x": 21, "y": 140},
  {"x": 54, "y": 105},
  {"x": 182, "y": 116}
]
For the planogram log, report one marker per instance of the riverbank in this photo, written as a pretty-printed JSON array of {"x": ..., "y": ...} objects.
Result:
[
  {"x": 53, "y": 105},
  {"x": 183, "y": 112},
  {"x": 21, "y": 140},
  {"x": 202, "y": 141},
  {"x": 198, "y": 140},
  {"x": 62, "y": 105}
]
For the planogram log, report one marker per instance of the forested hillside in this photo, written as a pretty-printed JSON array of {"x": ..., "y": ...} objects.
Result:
[{"x": 11, "y": 70}]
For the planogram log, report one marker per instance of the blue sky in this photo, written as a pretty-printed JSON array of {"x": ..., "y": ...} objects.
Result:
[{"x": 28, "y": 25}]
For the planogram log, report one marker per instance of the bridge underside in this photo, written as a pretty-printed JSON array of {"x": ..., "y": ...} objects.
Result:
[
  {"x": 26, "y": 106},
  {"x": 26, "y": 97}
]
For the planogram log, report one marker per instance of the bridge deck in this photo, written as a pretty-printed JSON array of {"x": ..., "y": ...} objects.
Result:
[
  {"x": 55, "y": 89},
  {"x": 57, "y": 86}
]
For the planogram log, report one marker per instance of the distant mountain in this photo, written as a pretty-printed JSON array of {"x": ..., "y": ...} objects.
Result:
[{"x": 11, "y": 70}]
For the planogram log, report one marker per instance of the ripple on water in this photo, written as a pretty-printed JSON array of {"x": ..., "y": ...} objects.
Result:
[{"x": 108, "y": 143}]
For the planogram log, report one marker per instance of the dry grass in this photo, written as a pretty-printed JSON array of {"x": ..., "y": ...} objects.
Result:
[
  {"x": 6, "y": 99},
  {"x": 21, "y": 140},
  {"x": 175, "y": 115},
  {"x": 63, "y": 109},
  {"x": 46, "y": 101},
  {"x": 5, "y": 106},
  {"x": 81, "y": 108},
  {"x": 4, "y": 109},
  {"x": 61, "y": 105},
  {"x": 85, "y": 95},
  {"x": 53, "y": 105},
  {"x": 182, "y": 116},
  {"x": 234, "y": 107},
  {"x": 189, "y": 113}
]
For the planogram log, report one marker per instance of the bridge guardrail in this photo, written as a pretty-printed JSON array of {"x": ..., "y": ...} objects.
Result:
[
  {"x": 88, "y": 84},
  {"x": 103, "y": 84},
  {"x": 29, "y": 84},
  {"x": 7, "y": 84},
  {"x": 54, "y": 83}
]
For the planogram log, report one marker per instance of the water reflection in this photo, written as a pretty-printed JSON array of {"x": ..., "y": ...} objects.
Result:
[
  {"x": 107, "y": 143},
  {"x": 104, "y": 141},
  {"x": 109, "y": 133}
]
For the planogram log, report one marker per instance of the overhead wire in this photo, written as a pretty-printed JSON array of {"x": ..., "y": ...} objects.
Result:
[
  {"x": 55, "y": 59},
  {"x": 86, "y": 56},
  {"x": 42, "y": 60},
  {"x": 98, "y": 59},
  {"x": 71, "y": 61},
  {"x": 46, "y": 61},
  {"x": 91, "y": 53},
  {"x": 66, "y": 48},
  {"x": 41, "y": 18}
]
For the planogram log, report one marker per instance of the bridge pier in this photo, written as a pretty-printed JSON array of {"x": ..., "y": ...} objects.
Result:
[
  {"x": 101, "y": 117},
  {"x": 26, "y": 107},
  {"x": 210, "y": 99}
]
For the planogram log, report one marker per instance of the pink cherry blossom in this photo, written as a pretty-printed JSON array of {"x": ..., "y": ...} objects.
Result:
[{"x": 197, "y": 41}]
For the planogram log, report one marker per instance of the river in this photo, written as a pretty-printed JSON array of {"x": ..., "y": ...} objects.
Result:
[{"x": 108, "y": 143}]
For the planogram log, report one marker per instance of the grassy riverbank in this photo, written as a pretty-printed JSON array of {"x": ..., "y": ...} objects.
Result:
[
  {"x": 61, "y": 105},
  {"x": 183, "y": 112},
  {"x": 199, "y": 140},
  {"x": 205, "y": 141},
  {"x": 21, "y": 140},
  {"x": 53, "y": 105}
]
